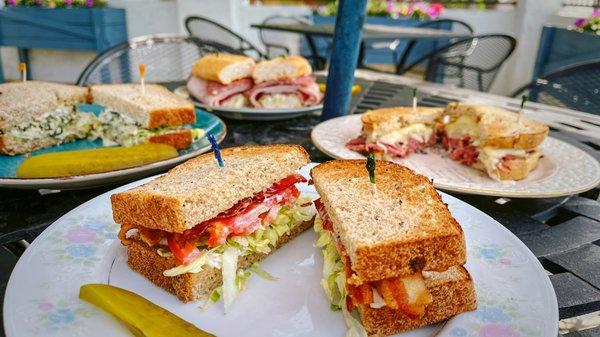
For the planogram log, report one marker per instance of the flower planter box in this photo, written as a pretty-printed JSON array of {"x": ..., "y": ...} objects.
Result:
[
  {"x": 94, "y": 29},
  {"x": 62, "y": 28},
  {"x": 561, "y": 47},
  {"x": 384, "y": 56}
]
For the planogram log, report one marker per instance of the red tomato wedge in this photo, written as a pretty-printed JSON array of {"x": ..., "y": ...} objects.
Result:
[{"x": 184, "y": 251}]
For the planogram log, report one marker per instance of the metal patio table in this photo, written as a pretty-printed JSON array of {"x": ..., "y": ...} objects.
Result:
[
  {"x": 563, "y": 233},
  {"x": 370, "y": 31}
]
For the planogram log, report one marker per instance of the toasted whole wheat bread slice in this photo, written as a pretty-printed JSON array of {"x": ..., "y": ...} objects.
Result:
[
  {"x": 190, "y": 287},
  {"x": 199, "y": 190},
  {"x": 179, "y": 139},
  {"x": 10, "y": 147},
  {"x": 24, "y": 101},
  {"x": 499, "y": 127},
  {"x": 452, "y": 292},
  {"x": 397, "y": 227},
  {"x": 390, "y": 119},
  {"x": 157, "y": 108}
]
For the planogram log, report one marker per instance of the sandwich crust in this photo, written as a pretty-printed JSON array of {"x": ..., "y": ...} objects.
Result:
[
  {"x": 398, "y": 117},
  {"x": 190, "y": 287},
  {"x": 452, "y": 292},
  {"x": 500, "y": 128},
  {"x": 199, "y": 190},
  {"x": 157, "y": 108},
  {"x": 179, "y": 139},
  {"x": 223, "y": 67},
  {"x": 518, "y": 168},
  {"x": 397, "y": 227},
  {"x": 281, "y": 68}
]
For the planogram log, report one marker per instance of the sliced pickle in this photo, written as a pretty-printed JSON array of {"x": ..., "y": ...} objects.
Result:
[
  {"x": 142, "y": 317},
  {"x": 80, "y": 162}
]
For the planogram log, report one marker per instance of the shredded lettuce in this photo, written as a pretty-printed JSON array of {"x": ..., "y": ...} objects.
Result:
[
  {"x": 334, "y": 279},
  {"x": 229, "y": 288},
  {"x": 262, "y": 241},
  {"x": 355, "y": 329},
  {"x": 256, "y": 269}
]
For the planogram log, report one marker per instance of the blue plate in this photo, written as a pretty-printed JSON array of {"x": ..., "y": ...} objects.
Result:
[{"x": 9, "y": 164}]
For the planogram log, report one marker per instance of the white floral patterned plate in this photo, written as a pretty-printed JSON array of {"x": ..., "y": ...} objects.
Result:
[
  {"x": 515, "y": 296},
  {"x": 564, "y": 169}
]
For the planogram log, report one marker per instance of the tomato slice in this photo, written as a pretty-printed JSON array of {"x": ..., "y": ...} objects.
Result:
[
  {"x": 218, "y": 234},
  {"x": 183, "y": 250},
  {"x": 286, "y": 182}
]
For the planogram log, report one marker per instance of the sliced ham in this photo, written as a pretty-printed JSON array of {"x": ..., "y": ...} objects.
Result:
[
  {"x": 305, "y": 86},
  {"x": 214, "y": 93}
]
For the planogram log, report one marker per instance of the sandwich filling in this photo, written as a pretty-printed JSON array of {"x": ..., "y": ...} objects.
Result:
[
  {"x": 407, "y": 294},
  {"x": 115, "y": 128},
  {"x": 216, "y": 94},
  {"x": 63, "y": 124},
  {"x": 286, "y": 93},
  {"x": 253, "y": 225},
  {"x": 397, "y": 142}
]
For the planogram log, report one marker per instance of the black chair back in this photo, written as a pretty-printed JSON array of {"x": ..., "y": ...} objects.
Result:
[
  {"x": 471, "y": 63},
  {"x": 575, "y": 87},
  {"x": 457, "y": 26},
  {"x": 275, "y": 42},
  {"x": 168, "y": 58},
  {"x": 207, "y": 29}
]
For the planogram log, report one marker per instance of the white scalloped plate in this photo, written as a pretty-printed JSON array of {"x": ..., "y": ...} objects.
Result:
[
  {"x": 564, "y": 169},
  {"x": 514, "y": 293}
]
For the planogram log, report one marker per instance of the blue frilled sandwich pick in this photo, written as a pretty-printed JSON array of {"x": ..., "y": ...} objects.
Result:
[{"x": 216, "y": 150}]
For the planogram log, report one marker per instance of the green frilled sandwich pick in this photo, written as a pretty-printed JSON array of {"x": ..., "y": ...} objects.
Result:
[
  {"x": 522, "y": 110},
  {"x": 142, "y": 317},
  {"x": 371, "y": 166}
]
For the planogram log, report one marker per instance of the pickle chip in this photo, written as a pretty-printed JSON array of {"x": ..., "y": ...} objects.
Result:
[
  {"x": 81, "y": 162},
  {"x": 142, "y": 317}
]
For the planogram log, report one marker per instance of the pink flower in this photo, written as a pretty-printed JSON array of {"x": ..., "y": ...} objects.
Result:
[
  {"x": 68, "y": 2},
  {"x": 435, "y": 10},
  {"x": 89, "y": 3},
  {"x": 11, "y": 2},
  {"x": 579, "y": 22},
  {"x": 596, "y": 12},
  {"x": 497, "y": 330},
  {"x": 45, "y": 306},
  {"x": 80, "y": 235}
]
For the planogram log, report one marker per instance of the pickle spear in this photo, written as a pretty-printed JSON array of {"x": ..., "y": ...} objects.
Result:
[
  {"x": 142, "y": 317},
  {"x": 80, "y": 162}
]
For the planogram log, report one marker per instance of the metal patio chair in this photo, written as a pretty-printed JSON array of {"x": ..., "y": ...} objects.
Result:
[
  {"x": 273, "y": 41},
  {"x": 208, "y": 30},
  {"x": 471, "y": 63},
  {"x": 168, "y": 58},
  {"x": 402, "y": 49},
  {"x": 575, "y": 87}
]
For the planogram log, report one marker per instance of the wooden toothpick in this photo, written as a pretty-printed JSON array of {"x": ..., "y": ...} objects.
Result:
[{"x": 414, "y": 100}]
